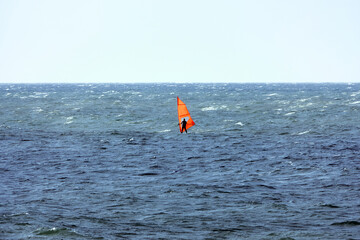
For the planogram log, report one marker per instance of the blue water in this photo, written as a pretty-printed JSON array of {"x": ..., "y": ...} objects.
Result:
[{"x": 107, "y": 161}]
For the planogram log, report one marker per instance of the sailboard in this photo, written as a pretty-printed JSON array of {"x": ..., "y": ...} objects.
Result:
[{"x": 184, "y": 113}]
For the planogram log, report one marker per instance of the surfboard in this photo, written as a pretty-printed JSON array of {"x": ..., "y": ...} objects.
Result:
[{"x": 184, "y": 113}]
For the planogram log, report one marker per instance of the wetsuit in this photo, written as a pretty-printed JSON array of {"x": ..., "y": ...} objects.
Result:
[{"x": 183, "y": 126}]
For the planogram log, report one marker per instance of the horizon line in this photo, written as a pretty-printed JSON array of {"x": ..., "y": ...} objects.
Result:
[{"x": 132, "y": 83}]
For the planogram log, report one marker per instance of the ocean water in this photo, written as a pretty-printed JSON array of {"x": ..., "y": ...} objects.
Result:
[{"x": 107, "y": 161}]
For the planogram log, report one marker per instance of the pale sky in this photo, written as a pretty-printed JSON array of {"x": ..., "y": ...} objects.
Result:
[{"x": 86, "y": 41}]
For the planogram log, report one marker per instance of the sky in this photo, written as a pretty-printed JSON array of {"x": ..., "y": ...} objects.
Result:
[{"x": 141, "y": 41}]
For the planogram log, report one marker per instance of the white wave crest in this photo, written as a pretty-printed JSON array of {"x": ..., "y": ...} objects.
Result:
[
  {"x": 239, "y": 123},
  {"x": 354, "y": 103},
  {"x": 69, "y": 120},
  {"x": 272, "y": 94},
  {"x": 164, "y": 131},
  {"x": 302, "y": 133},
  {"x": 214, "y": 108},
  {"x": 289, "y": 113}
]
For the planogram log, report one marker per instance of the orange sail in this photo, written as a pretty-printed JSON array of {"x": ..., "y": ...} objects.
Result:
[{"x": 184, "y": 113}]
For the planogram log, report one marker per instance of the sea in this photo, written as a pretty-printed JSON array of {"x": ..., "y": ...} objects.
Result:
[{"x": 107, "y": 161}]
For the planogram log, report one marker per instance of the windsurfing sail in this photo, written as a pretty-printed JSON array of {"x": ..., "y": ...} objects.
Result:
[{"x": 184, "y": 113}]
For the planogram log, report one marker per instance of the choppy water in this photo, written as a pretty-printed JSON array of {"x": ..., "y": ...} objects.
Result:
[{"x": 107, "y": 161}]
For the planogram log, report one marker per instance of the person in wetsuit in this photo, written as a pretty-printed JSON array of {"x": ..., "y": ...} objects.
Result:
[{"x": 183, "y": 126}]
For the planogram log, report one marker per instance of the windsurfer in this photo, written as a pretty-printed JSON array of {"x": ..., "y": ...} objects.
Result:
[{"x": 183, "y": 125}]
